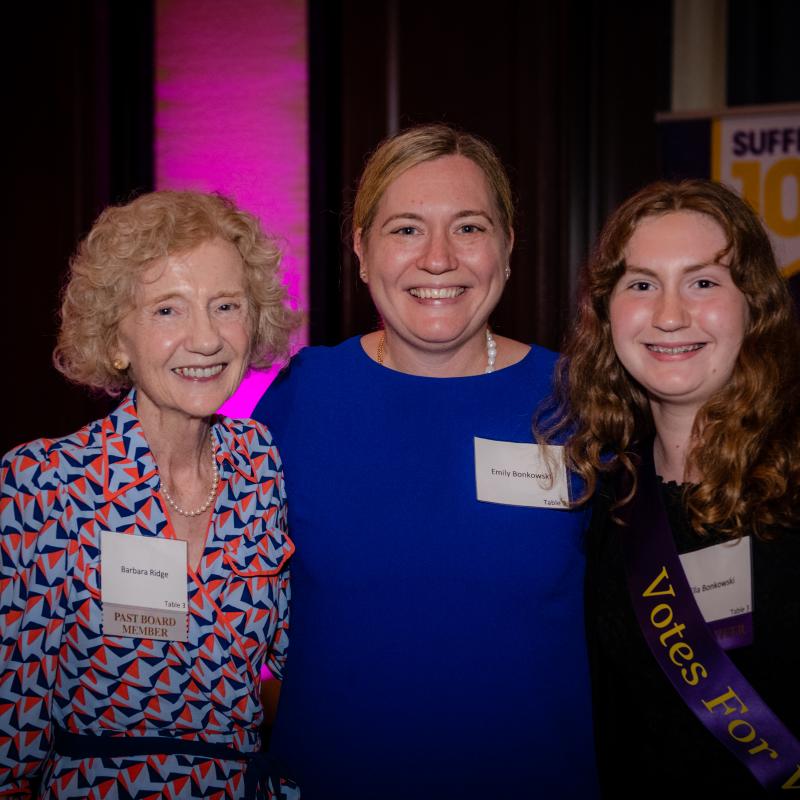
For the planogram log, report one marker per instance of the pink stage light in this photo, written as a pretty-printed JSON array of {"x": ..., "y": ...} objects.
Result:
[{"x": 232, "y": 117}]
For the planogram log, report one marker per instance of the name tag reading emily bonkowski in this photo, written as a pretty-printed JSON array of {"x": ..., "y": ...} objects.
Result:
[
  {"x": 517, "y": 474},
  {"x": 143, "y": 587}
]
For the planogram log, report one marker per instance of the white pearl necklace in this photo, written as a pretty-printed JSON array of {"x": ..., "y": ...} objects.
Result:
[
  {"x": 211, "y": 494},
  {"x": 491, "y": 351}
]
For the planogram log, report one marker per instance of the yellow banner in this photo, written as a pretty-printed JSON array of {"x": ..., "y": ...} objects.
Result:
[{"x": 758, "y": 155}]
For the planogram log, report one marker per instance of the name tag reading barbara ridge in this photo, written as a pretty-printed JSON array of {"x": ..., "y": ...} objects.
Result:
[
  {"x": 143, "y": 587},
  {"x": 516, "y": 474}
]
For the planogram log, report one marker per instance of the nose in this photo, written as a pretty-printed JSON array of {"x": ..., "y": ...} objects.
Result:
[
  {"x": 203, "y": 335},
  {"x": 438, "y": 256},
  {"x": 671, "y": 312}
]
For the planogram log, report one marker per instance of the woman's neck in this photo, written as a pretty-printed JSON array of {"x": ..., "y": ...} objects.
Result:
[
  {"x": 179, "y": 444},
  {"x": 673, "y": 441},
  {"x": 471, "y": 358},
  {"x": 467, "y": 359}
]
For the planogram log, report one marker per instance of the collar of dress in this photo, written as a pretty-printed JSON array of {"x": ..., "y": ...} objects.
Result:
[{"x": 127, "y": 461}]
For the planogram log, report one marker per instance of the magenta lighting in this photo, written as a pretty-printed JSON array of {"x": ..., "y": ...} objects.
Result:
[{"x": 232, "y": 117}]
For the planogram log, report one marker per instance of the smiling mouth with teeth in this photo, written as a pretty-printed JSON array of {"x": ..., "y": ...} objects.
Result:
[
  {"x": 199, "y": 372},
  {"x": 437, "y": 294},
  {"x": 674, "y": 351}
]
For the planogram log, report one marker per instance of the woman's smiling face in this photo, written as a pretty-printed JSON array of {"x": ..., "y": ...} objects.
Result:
[
  {"x": 188, "y": 338},
  {"x": 677, "y": 318},
  {"x": 435, "y": 256}
]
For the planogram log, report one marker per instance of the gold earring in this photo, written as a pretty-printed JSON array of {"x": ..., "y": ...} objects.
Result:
[{"x": 120, "y": 364}]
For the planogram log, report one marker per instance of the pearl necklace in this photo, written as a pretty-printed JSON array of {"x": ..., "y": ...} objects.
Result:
[
  {"x": 491, "y": 351},
  {"x": 211, "y": 495}
]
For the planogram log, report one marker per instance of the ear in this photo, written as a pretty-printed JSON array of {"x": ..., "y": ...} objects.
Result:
[
  {"x": 120, "y": 359},
  {"x": 510, "y": 242},
  {"x": 120, "y": 362},
  {"x": 359, "y": 248}
]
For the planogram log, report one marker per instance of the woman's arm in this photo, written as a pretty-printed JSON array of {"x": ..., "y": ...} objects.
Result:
[
  {"x": 276, "y": 659},
  {"x": 33, "y": 568}
]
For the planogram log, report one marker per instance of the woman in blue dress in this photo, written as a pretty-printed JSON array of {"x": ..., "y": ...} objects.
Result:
[{"x": 437, "y": 645}]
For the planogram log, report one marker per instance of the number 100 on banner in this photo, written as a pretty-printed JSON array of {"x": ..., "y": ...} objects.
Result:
[{"x": 758, "y": 155}]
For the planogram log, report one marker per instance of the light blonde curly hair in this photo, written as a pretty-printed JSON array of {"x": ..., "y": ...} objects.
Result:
[{"x": 124, "y": 241}]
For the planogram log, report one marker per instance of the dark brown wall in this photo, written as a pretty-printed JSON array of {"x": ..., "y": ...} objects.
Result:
[
  {"x": 80, "y": 120},
  {"x": 566, "y": 91}
]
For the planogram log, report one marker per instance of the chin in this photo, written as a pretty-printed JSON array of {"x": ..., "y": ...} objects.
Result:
[{"x": 204, "y": 409}]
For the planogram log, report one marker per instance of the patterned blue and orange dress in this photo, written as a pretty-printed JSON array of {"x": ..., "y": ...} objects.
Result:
[{"x": 57, "y": 669}]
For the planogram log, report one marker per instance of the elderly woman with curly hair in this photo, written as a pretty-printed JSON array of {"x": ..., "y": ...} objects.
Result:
[
  {"x": 143, "y": 582},
  {"x": 680, "y": 385}
]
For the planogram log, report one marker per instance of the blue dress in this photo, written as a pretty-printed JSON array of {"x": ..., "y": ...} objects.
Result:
[{"x": 437, "y": 641}]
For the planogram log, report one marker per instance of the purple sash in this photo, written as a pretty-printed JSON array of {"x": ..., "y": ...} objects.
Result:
[{"x": 685, "y": 648}]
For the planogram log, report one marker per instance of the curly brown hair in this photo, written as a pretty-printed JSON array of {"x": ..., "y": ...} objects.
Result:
[
  {"x": 124, "y": 241},
  {"x": 746, "y": 437}
]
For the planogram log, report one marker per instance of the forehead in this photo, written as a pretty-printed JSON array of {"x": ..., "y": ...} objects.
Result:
[
  {"x": 213, "y": 265},
  {"x": 453, "y": 180},
  {"x": 676, "y": 234}
]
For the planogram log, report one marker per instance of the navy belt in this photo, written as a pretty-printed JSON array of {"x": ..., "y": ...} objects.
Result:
[{"x": 261, "y": 767}]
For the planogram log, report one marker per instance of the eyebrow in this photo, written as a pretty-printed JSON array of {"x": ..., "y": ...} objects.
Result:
[
  {"x": 692, "y": 268},
  {"x": 173, "y": 295},
  {"x": 467, "y": 212}
]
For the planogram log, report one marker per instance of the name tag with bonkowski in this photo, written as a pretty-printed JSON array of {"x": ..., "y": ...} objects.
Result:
[
  {"x": 721, "y": 578},
  {"x": 517, "y": 474},
  {"x": 143, "y": 587}
]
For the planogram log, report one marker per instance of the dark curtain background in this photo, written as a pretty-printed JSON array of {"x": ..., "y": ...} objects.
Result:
[
  {"x": 762, "y": 52},
  {"x": 80, "y": 118},
  {"x": 566, "y": 91}
]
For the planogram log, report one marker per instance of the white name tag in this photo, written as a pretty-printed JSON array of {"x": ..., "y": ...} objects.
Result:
[
  {"x": 144, "y": 591},
  {"x": 516, "y": 474},
  {"x": 721, "y": 579}
]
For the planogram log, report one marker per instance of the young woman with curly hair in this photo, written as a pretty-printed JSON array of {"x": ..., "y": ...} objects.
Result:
[{"x": 685, "y": 356}]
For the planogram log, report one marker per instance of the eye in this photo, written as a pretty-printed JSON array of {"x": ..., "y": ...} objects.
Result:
[
  {"x": 405, "y": 230},
  {"x": 230, "y": 306},
  {"x": 705, "y": 283},
  {"x": 164, "y": 311},
  {"x": 640, "y": 286},
  {"x": 471, "y": 227}
]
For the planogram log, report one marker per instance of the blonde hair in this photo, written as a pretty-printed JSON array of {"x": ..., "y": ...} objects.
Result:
[
  {"x": 124, "y": 241},
  {"x": 400, "y": 152},
  {"x": 746, "y": 438}
]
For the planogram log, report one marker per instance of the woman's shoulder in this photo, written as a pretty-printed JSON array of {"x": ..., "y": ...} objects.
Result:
[
  {"x": 37, "y": 478},
  {"x": 532, "y": 374},
  {"x": 544, "y": 357},
  {"x": 48, "y": 460},
  {"x": 249, "y": 446},
  {"x": 325, "y": 357},
  {"x": 309, "y": 378},
  {"x": 248, "y": 435}
]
